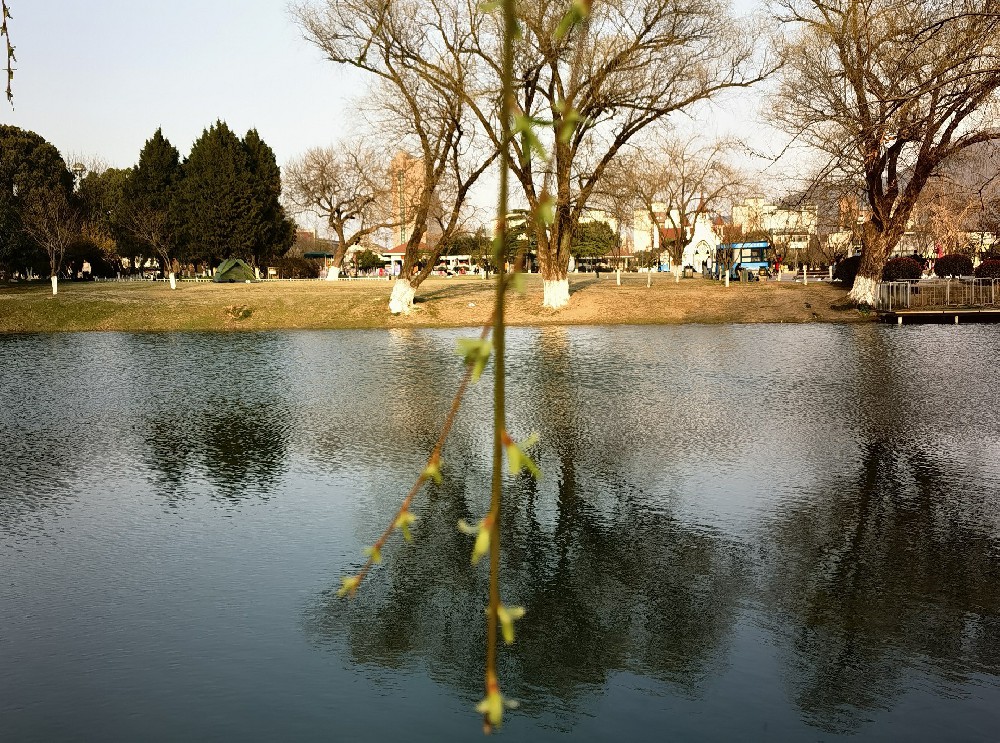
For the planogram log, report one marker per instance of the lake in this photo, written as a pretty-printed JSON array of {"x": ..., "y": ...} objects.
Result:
[{"x": 765, "y": 532}]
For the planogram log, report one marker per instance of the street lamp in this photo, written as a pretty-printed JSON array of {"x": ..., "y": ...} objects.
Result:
[{"x": 78, "y": 171}]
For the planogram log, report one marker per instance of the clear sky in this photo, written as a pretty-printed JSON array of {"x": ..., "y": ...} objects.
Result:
[{"x": 97, "y": 78}]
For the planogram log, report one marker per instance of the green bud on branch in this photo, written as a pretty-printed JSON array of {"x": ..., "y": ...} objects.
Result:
[
  {"x": 482, "y": 533},
  {"x": 403, "y": 522},
  {"x": 517, "y": 460},
  {"x": 349, "y": 585},
  {"x": 476, "y": 352}
]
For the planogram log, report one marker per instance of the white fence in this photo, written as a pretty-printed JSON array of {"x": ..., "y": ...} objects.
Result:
[{"x": 935, "y": 294}]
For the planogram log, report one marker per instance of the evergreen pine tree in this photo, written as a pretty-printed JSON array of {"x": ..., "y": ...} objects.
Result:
[
  {"x": 228, "y": 201},
  {"x": 213, "y": 200},
  {"x": 150, "y": 193}
]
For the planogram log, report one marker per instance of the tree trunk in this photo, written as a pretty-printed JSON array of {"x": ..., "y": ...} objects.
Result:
[
  {"x": 877, "y": 246},
  {"x": 173, "y": 280},
  {"x": 55, "y": 285},
  {"x": 555, "y": 292},
  {"x": 554, "y": 265},
  {"x": 333, "y": 273},
  {"x": 863, "y": 292},
  {"x": 401, "y": 299}
]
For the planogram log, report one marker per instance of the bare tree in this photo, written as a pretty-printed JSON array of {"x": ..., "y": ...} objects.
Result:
[
  {"x": 391, "y": 42},
  {"x": 52, "y": 220},
  {"x": 153, "y": 229},
  {"x": 590, "y": 92},
  {"x": 892, "y": 89},
  {"x": 584, "y": 91},
  {"x": 348, "y": 186},
  {"x": 726, "y": 253},
  {"x": 678, "y": 181}
]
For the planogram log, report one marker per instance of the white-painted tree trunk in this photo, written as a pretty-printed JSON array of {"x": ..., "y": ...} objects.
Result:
[
  {"x": 173, "y": 280},
  {"x": 332, "y": 273},
  {"x": 677, "y": 274},
  {"x": 555, "y": 294},
  {"x": 649, "y": 279},
  {"x": 726, "y": 279},
  {"x": 401, "y": 299},
  {"x": 618, "y": 276},
  {"x": 864, "y": 291},
  {"x": 55, "y": 285}
]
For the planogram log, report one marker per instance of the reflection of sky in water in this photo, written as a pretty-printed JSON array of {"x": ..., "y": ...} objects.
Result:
[{"x": 742, "y": 531}]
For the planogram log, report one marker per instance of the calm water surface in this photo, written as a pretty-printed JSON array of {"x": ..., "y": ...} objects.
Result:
[{"x": 742, "y": 533}]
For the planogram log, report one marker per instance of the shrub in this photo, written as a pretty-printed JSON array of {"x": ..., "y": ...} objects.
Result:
[
  {"x": 294, "y": 267},
  {"x": 847, "y": 269},
  {"x": 902, "y": 269},
  {"x": 988, "y": 269},
  {"x": 953, "y": 265},
  {"x": 368, "y": 260}
]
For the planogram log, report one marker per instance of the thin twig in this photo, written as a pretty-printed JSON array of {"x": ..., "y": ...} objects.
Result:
[{"x": 432, "y": 461}]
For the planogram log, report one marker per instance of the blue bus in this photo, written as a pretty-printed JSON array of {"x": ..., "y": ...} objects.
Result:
[{"x": 751, "y": 257}]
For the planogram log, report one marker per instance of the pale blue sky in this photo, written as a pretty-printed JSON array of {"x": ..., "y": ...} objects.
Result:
[{"x": 98, "y": 78}]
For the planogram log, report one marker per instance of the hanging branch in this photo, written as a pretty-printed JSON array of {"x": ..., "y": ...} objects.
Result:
[
  {"x": 500, "y": 617},
  {"x": 11, "y": 59},
  {"x": 476, "y": 353}
]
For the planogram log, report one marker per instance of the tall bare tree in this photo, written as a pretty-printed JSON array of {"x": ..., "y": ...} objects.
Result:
[
  {"x": 584, "y": 91},
  {"x": 390, "y": 42},
  {"x": 892, "y": 89},
  {"x": 678, "y": 180},
  {"x": 348, "y": 186},
  {"x": 591, "y": 91}
]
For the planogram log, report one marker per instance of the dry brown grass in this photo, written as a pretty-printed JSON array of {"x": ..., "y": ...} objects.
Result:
[{"x": 454, "y": 302}]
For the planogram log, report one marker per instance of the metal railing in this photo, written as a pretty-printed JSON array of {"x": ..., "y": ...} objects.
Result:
[{"x": 937, "y": 294}]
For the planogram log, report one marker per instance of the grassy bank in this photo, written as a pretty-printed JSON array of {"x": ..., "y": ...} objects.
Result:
[{"x": 29, "y": 307}]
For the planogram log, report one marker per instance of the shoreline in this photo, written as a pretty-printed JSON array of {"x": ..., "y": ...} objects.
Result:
[{"x": 440, "y": 303}]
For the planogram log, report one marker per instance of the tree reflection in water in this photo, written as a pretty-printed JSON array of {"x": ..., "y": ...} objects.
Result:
[
  {"x": 886, "y": 573},
  {"x": 608, "y": 584},
  {"x": 234, "y": 425}
]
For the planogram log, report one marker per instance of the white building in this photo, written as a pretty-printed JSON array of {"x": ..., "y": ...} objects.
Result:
[
  {"x": 699, "y": 235},
  {"x": 790, "y": 227}
]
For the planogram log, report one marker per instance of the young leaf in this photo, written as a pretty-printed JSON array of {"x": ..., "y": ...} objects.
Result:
[
  {"x": 491, "y": 707},
  {"x": 482, "y": 534},
  {"x": 403, "y": 522},
  {"x": 507, "y": 616},
  {"x": 530, "y": 143},
  {"x": 546, "y": 211},
  {"x": 433, "y": 471},
  {"x": 349, "y": 585},
  {"x": 517, "y": 460},
  {"x": 476, "y": 352},
  {"x": 374, "y": 553}
]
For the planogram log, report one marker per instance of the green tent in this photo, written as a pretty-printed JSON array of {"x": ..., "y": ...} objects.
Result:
[{"x": 234, "y": 270}]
